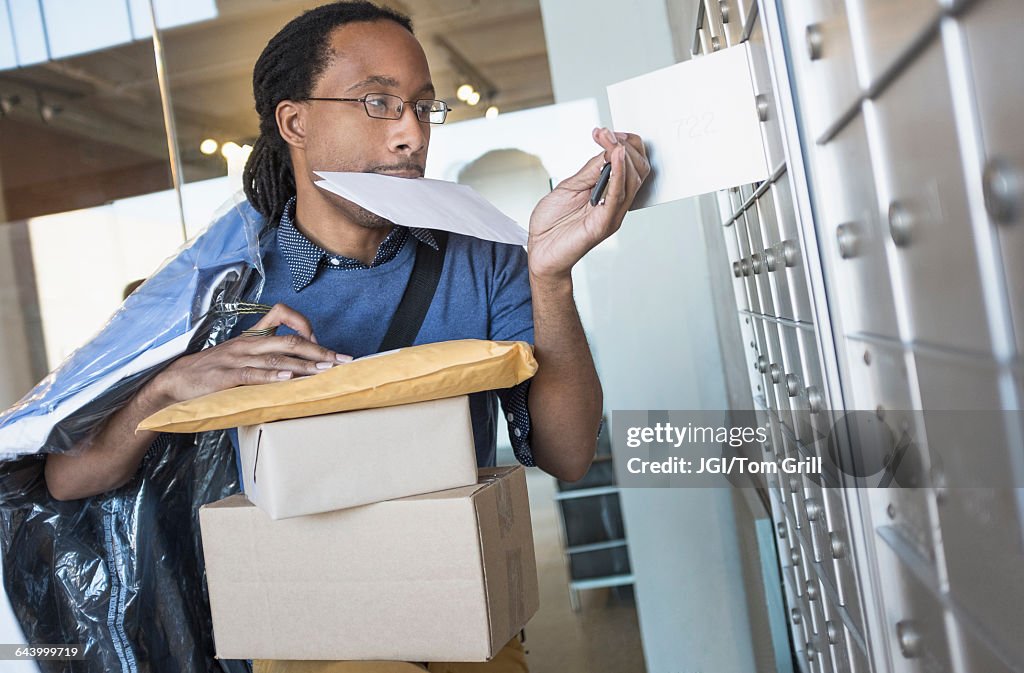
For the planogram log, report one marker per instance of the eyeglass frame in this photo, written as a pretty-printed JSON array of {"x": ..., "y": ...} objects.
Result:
[{"x": 446, "y": 110}]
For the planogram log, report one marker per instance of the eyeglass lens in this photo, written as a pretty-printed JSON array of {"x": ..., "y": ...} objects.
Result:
[{"x": 387, "y": 106}]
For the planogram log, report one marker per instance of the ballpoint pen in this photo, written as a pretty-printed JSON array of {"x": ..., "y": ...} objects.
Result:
[{"x": 597, "y": 194}]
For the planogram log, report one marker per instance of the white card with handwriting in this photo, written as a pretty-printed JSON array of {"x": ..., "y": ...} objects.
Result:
[{"x": 700, "y": 125}]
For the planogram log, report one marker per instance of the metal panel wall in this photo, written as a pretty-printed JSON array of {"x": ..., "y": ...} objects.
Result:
[{"x": 878, "y": 279}]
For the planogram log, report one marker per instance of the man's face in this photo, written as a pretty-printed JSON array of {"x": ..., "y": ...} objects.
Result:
[{"x": 369, "y": 57}]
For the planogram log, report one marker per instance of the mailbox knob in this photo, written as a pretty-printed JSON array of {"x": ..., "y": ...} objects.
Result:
[
  {"x": 900, "y": 224},
  {"x": 847, "y": 240},
  {"x": 762, "y": 107},
  {"x": 837, "y": 545},
  {"x": 939, "y": 484},
  {"x": 813, "y": 508},
  {"x": 815, "y": 41},
  {"x": 792, "y": 385},
  {"x": 815, "y": 401},
  {"x": 909, "y": 639},
  {"x": 1003, "y": 186},
  {"x": 790, "y": 252}
]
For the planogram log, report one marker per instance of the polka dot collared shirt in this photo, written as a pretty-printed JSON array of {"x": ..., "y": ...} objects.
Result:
[{"x": 305, "y": 258}]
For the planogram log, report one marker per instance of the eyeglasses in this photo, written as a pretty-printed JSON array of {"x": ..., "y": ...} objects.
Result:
[{"x": 388, "y": 106}]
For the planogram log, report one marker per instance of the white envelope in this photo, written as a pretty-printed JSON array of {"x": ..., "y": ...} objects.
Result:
[
  {"x": 422, "y": 202},
  {"x": 699, "y": 123}
]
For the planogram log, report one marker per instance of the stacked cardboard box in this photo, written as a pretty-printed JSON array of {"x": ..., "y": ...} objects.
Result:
[
  {"x": 388, "y": 545},
  {"x": 323, "y": 463}
]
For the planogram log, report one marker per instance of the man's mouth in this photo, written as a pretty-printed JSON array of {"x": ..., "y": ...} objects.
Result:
[{"x": 401, "y": 172}]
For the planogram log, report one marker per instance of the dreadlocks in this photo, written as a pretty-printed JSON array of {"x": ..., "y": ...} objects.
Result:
[{"x": 287, "y": 70}]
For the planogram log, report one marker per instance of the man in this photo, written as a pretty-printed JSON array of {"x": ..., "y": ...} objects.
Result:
[{"x": 346, "y": 87}]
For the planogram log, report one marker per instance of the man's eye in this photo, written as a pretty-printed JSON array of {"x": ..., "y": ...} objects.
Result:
[{"x": 377, "y": 103}]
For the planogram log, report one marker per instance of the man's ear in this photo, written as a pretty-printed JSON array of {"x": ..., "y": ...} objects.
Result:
[{"x": 291, "y": 123}]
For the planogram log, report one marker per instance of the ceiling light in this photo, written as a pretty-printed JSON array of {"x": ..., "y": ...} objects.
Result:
[
  {"x": 492, "y": 112},
  {"x": 229, "y": 149},
  {"x": 48, "y": 111},
  {"x": 209, "y": 146},
  {"x": 7, "y": 104},
  {"x": 474, "y": 98},
  {"x": 464, "y": 92}
]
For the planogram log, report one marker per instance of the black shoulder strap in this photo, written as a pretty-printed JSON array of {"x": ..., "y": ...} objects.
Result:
[{"x": 412, "y": 309}]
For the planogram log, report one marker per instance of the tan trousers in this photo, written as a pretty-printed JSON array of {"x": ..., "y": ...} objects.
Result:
[{"x": 511, "y": 659}]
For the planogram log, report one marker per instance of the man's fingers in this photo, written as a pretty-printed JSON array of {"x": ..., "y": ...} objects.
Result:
[
  {"x": 623, "y": 185},
  {"x": 634, "y": 145},
  {"x": 295, "y": 346},
  {"x": 606, "y": 139},
  {"x": 282, "y": 362},
  {"x": 633, "y": 140},
  {"x": 616, "y": 193},
  {"x": 586, "y": 177},
  {"x": 634, "y": 178},
  {"x": 610, "y": 142},
  {"x": 638, "y": 155},
  {"x": 282, "y": 314},
  {"x": 251, "y": 376},
  {"x": 271, "y": 367}
]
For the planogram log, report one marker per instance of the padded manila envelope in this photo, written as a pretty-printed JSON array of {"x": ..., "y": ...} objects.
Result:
[{"x": 415, "y": 374}]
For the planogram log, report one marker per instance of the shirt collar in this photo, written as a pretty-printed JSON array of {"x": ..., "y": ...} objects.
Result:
[{"x": 305, "y": 258}]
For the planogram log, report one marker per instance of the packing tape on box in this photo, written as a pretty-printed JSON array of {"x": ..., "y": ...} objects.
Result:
[{"x": 404, "y": 376}]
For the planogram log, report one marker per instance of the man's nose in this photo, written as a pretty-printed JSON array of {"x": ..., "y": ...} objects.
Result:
[{"x": 408, "y": 134}]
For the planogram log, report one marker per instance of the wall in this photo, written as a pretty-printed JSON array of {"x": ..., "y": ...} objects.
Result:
[{"x": 652, "y": 328}]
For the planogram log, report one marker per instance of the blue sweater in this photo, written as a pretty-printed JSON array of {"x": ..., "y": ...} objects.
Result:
[{"x": 483, "y": 293}]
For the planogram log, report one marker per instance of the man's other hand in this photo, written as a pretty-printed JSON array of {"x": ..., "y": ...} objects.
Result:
[{"x": 247, "y": 360}]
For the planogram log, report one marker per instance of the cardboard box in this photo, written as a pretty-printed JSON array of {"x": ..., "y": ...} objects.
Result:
[
  {"x": 446, "y": 576},
  {"x": 323, "y": 463}
]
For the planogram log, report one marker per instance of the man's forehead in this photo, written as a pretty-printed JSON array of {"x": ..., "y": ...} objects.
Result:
[
  {"x": 378, "y": 80},
  {"x": 376, "y": 54}
]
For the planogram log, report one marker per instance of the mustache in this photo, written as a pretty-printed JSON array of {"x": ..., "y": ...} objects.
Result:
[{"x": 399, "y": 167}]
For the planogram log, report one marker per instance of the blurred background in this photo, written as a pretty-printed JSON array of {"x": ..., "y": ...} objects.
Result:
[{"x": 877, "y": 268}]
